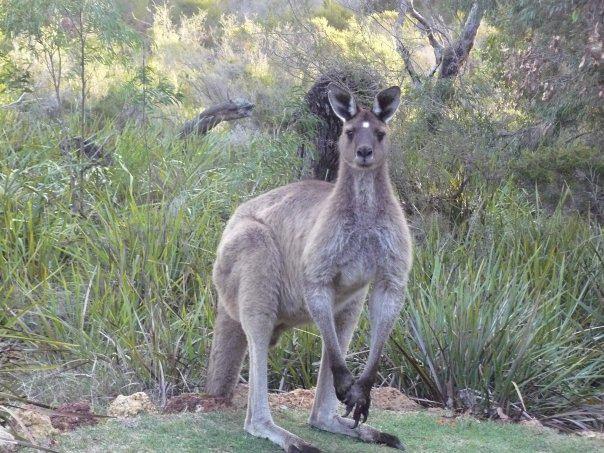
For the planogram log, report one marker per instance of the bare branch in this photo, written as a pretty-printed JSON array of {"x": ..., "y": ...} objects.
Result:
[
  {"x": 426, "y": 26},
  {"x": 471, "y": 27},
  {"x": 400, "y": 46},
  {"x": 438, "y": 23},
  {"x": 209, "y": 118},
  {"x": 14, "y": 104}
]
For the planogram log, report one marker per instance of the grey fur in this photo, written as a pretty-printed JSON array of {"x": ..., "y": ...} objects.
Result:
[{"x": 306, "y": 252}]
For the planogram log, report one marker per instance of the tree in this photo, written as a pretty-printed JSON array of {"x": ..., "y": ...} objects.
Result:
[
  {"x": 450, "y": 53},
  {"x": 365, "y": 47},
  {"x": 88, "y": 30},
  {"x": 39, "y": 23}
]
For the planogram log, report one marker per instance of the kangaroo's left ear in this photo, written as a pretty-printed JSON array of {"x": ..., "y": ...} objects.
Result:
[
  {"x": 386, "y": 102},
  {"x": 342, "y": 102}
]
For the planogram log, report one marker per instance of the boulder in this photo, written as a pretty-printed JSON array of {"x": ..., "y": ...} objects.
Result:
[{"x": 33, "y": 424}]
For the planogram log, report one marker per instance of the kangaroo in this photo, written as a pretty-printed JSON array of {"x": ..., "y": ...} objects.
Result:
[{"x": 308, "y": 252}]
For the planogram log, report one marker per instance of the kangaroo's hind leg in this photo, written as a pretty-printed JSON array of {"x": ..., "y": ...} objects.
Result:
[{"x": 259, "y": 267}]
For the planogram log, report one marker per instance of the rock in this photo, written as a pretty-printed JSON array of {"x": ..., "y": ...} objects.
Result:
[
  {"x": 194, "y": 402},
  {"x": 129, "y": 406},
  {"x": 533, "y": 423},
  {"x": 502, "y": 415},
  {"x": 389, "y": 398},
  {"x": 31, "y": 423},
  {"x": 68, "y": 417},
  {"x": 7, "y": 441}
]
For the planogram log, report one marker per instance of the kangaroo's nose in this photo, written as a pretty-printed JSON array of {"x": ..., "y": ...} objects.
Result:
[{"x": 364, "y": 151}]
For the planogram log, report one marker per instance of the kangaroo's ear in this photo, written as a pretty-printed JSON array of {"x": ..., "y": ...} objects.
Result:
[
  {"x": 342, "y": 102},
  {"x": 386, "y": 102}
]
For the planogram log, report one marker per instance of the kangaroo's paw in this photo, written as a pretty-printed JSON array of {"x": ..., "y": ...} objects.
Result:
[
  {"x": 342, "y": 382},
  {"x": 358, "y": 398}
]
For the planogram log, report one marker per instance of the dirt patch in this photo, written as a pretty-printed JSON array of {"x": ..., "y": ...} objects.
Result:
[
  {"x": 68, "y": 417},
  {"x": 391, "y": 399},
  {"x": 194, "y": 402},
  {"x": 129, "y": 406},
  {"x": 386, "y": 398},
  {"x": 298, "y": 398},
  {"x": 592, "y": 434},
  {"x": 239, "y": 400},
  {"x": 533, "y": 423},
  {"x": 34, "y": 425}
]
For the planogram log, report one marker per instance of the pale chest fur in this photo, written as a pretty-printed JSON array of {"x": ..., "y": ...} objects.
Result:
[
  {"x": 353, "y": 255},
  {"x": 361, "y": 236}
]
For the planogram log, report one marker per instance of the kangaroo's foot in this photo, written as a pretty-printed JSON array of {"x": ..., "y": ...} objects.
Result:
[
  {"x": 286, "y": 440},
  {"x": 347, "y": 427}
]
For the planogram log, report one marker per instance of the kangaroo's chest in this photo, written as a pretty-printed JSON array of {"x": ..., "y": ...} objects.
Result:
[{"x": 357, "y": 259}]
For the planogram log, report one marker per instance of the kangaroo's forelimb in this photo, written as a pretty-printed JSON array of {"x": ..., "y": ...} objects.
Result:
[{"x": 320, "y": 301}]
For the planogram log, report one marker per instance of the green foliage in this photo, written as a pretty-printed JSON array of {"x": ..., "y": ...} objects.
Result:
[
  {"x": 58, "y": 22},
  {"x": 191, "y": 7},
  {"x": 12, "y": 77},
  {"x": 507, "y": 311},
  {"x": 130, "y": 282},
  {"x": 553, "y": 169},
  {"x": 545, "y": 164},
  {"x": 337, "y": 15},
  {"x": 131, "y": 99}
]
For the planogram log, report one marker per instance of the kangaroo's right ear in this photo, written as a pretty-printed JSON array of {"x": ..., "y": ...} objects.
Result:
[
  {"x": 342, "y": 102},
  {"x": 386, "y": 102}
]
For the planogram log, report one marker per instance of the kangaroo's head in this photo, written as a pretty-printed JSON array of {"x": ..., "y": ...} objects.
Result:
[{"x": 363, "y": 143}]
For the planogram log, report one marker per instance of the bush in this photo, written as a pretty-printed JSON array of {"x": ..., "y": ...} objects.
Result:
[
  {"x": 504, "y": 314},
  {"x": 553, "y": 169},
  {"x": 126, "y": 279}
]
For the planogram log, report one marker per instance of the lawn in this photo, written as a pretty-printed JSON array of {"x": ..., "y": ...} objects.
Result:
[{"x": 222, "y": 431}]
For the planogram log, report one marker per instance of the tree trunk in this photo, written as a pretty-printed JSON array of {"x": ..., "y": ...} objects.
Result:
[{"x": 455, "y": 55}]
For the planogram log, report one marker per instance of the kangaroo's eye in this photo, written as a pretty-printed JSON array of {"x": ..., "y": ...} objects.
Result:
[
  {"x": 350, "y": 134},
  {"x": 380, "y": 135}
]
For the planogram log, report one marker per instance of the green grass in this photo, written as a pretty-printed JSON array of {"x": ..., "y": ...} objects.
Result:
[{"x": 222, "y": 431}]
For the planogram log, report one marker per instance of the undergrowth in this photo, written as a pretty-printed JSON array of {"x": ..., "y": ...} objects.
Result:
[{"x": 105, "y": 283}]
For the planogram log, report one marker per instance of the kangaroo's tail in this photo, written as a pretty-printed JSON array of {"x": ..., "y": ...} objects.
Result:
[{"x": 228, "y": 350}]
